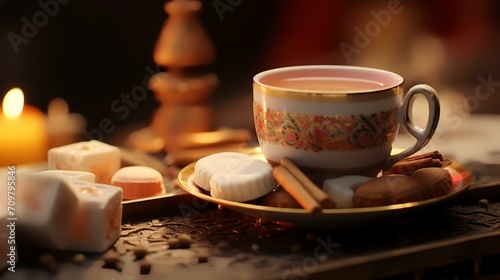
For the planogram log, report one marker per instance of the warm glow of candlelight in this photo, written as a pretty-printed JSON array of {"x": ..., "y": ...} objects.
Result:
[
  {"x": 13, "y": 103},
  {"x": 24, "y": 131}
]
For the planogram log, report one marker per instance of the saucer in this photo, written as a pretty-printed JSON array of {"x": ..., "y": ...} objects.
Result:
[{"x": 328, "y": 218}]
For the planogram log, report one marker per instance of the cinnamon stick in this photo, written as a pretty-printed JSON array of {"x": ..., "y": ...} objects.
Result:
[
  {"x": 410, "y": 164},
  {"x": 315, "y": 191},
  {"x": 295, "y": 189}
]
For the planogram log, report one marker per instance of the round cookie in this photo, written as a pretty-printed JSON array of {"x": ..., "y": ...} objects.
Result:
[
  {"x": 234, "y": 176},
  {"x": 138, "y": 182},
  {"x": 388, "y": 190},
  {"x": 436, "y": 181}
]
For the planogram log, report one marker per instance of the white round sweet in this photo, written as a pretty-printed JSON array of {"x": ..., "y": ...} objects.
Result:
[
  {"x": 213, "y": 164},
  {"x": 234, "y": 176}
]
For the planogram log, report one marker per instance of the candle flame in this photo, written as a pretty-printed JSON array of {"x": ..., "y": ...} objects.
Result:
[{"x": 13, "y": 103}]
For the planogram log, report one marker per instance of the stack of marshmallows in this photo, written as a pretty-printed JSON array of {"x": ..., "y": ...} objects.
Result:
[{"x": 68, "y": 209}]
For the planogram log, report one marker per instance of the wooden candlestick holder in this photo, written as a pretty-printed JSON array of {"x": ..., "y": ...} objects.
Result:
[{"x": 185, "y": 88}]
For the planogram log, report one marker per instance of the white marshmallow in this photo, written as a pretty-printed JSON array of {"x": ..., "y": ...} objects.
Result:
[
  {"x": 46, "y": 208},
  {"x": 99, "y": 158},
  {"x": 341, "y": 189},
  {"x": 97, "y": 223}
]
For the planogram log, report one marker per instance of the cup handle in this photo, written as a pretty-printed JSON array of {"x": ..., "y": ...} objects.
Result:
[{"x": 422, "y": 135}]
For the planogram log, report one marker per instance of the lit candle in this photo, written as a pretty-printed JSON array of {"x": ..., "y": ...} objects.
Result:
[
  {"x": 23, "y": 135},
  {"x": 63, "y": 127}
]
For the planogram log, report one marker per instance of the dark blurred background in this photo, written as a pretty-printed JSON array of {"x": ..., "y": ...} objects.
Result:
[{"x": 90, "y": 52}]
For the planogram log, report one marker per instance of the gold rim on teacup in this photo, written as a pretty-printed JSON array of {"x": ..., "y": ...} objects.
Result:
[{"x": 388, "y": 89}]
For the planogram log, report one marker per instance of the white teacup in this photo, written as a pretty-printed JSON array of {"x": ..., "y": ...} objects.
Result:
[{"x": 336, "y": 120}]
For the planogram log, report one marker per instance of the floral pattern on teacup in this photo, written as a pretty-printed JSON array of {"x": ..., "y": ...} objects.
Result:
[{"x": 324, "y": 132}]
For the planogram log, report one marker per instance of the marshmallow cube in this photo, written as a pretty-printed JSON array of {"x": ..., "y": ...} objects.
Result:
[
  {"x": 99, "y": 158},
  {"x": 97, "y": 223},
  {"x": 45, "y": 209}
]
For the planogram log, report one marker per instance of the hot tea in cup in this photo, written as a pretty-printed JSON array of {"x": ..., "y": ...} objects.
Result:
[{"x": 337, "y": 120}]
